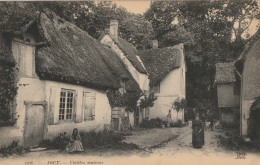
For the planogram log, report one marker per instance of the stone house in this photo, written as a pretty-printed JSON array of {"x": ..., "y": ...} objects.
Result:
[
  {"x": 166, "y": 68},
  {"x": 248, "y": 67},
  {"x": 228, "y": 91},
  {"x": 64, "y": 74},
  {"x": 129, "y": 56}
]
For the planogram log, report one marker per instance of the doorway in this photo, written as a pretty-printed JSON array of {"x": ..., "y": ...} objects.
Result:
[{"x": 35, "y": 123}]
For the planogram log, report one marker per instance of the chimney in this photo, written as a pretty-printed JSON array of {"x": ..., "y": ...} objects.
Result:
[
  {"x": 114, "y": 29},
  {"x": 155, "y": 44}
]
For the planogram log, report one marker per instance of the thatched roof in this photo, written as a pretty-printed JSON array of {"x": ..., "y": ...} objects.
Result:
[
  {"x": 225, "y": 73},
  {"x": 159, "y": 62},
  {"x": 72, "y": 56},
  {"x": 16, "y": 17},
  {"x": 129, "y": 51}
]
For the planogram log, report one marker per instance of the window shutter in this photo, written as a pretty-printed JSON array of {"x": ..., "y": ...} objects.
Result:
[
  {"x": 77, "y": 116},
  {"x": 28, "y": 60},
  {"x": 89, "y": 104},
  {"x": 52, "y": 104},
  {"x": 93, "y": 106}
]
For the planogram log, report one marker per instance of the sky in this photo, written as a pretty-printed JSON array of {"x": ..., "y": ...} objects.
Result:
[{"x": 137, "y": 7}]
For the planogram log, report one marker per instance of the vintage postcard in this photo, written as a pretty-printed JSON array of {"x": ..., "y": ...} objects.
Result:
[{"x": 130, "y": 82}]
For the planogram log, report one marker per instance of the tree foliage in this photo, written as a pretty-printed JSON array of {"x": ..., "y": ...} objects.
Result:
[
  {"x": 8, "y": 91},
  {"x": 128, "y": 99},
  {"x": 95, "y": 18},
  {"x": 148, "y": 101},
  {"x": 212, "y": 32}
]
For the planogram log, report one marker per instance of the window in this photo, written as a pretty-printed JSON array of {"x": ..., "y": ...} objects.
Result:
[
  {"x": 24, "y": 57},
  {"x": 89, "y": 104},
  {"x": 66, "y": 104},
  {"x": 156, "y": 88}
]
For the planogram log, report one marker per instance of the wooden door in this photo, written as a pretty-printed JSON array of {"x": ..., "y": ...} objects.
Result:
[
  {"x": 35, "y": 123},
  {"x": 24, "y": 57}
]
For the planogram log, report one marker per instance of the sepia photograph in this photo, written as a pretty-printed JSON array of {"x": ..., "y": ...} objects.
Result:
[{"x": 153, "y": 82}]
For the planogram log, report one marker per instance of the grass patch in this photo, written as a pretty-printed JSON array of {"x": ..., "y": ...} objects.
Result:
[
  {"x": 13, "y": 149},
  {"x": 92, "y": 140},
  {"x": 232, "y": 141}
]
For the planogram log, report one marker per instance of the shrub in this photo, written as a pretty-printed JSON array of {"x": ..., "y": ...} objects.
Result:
[
  {"x": 14, "y": 148},
  {"x": 90, "y": 140},
  {"x": 59, "y": 142},
  {"x": 94, "y": 139},
  {"x": 232, "y": 141},
  {"x": 153, "y": 123},
  {"x": 8, "y": 90},
  {"x": 178, "y": 124}
]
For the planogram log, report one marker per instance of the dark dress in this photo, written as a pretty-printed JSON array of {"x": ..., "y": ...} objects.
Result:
[{"x": 197, "y": 134}]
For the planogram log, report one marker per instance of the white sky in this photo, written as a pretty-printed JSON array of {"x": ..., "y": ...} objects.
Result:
[{"x": 138, "y": 7}]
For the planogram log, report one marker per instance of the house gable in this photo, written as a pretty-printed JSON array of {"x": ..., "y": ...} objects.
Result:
[
  {"x": 140, "y": 78},
  {"x": 159, "y": 62}
]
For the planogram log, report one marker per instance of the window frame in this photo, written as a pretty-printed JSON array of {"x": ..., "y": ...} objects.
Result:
[{"x": 65, "y": 108}]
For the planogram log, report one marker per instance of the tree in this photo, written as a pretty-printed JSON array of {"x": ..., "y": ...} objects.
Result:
[
  {"x": 207, "y": 29},
  {"x": 95, "y": 17},
  {"x": 240, "y": 14}
]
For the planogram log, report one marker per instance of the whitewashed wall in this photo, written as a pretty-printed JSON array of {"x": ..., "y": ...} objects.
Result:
[
  {"x": 30, "y": 89},
  {"x": 33, "y": 89},
  {"x": 171, "y": 87},
  {"x": 169, "y": 92},
  {"x": 102, "y": 110}
]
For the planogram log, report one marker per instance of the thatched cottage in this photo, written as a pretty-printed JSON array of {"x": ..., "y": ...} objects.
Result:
[
  {"x": 167, "y": 73},
  {"x": 128, "y": 54},
  {"x": 248, "y": 67},
  {"x": 228, "y": 91},
  {"x": 63, "y": 76}
]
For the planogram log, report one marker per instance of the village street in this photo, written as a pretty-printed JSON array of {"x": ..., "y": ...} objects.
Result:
[
  {"x": 157, "y": 141},
  {"x": 170, "y": 143},
  {"x": 178, "y": 142}
]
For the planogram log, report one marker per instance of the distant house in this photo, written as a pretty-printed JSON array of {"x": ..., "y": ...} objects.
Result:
[
  {"x": 248, "y": 65},
  {"x": 128, "y": 54},
  {"x": 228, "y": 90},
  {"x": 63, "y": 77},
  {"x": 167, "y": 73}
]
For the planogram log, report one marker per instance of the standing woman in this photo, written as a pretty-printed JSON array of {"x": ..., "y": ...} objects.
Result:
[
  {"x": 197, "y": 132},
  {"x": 75, "y": 144}
]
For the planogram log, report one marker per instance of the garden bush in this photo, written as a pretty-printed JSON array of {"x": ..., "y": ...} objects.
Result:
[
  {"x": 91, "y": 140},
  {"x": 153, "y": 123},
  {"x": 13, "y": 149},
  {"x": 94, "y": 139},
  {"x": 232, "y": 141}
]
